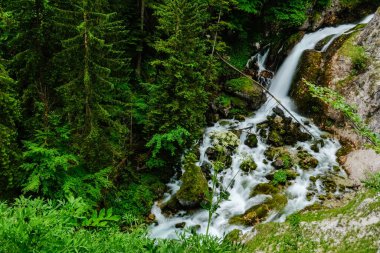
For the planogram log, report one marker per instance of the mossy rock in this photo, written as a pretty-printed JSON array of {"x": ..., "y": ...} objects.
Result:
[
  {"x": 244, "y": 88},
  {"x": 309, "y": 69},
  {"x": 251, "y": 141},
  {"x": 283, "y": 131},
  {"x": 248, "y": 165},
  {"x": 225, "y": 139},
  {"x": 291, "y": 174},
  {"x": 259, "y": 213},
  {"x": 306, "y": 160},
  {"x": 282, "y": 159},
  {"x": 221, "y": 154},
  {"x": 233, "y": 236},
  {"x": 171, "y": 206},
  {"x": 194, "y": 184},
  {"x": 265, "y": 188}
]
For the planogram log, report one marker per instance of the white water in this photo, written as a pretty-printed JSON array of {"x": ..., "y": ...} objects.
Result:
[{"x": 239, "y": 200}]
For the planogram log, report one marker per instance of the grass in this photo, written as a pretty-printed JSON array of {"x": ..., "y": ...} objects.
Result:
[{"x": 299, "y": 233}]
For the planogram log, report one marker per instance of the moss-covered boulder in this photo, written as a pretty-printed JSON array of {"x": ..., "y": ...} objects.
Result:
[
  {"x": 283, "y": 130},
  {"x": 233, "y": 236},
  {"x": 259, "y": 213},
  {"x": 224, "y": 140},
  {"x": 248, "y": 165},
  {"x": 220, "y": 154},
  {"x": 265, "y": 188},
  {"x": 194, "y": 185},
  {"x": 281, "y": 157},
  {"x": 306, "y": 160},
  {"x": 244, "y": 88},
  {"x": 251, "y": 141},
  {"x": 309, "y": 69}
]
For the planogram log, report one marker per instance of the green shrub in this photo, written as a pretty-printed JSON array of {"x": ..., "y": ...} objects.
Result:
[
  {"x": 373, "y": 182},
  {"x": 279, "y": 177}
]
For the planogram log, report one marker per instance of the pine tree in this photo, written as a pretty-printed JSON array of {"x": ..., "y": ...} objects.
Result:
[
  {"x": 9, "y": 118},
  {"x": 30, "y": 46},
  {"x": 94, "y": 87},
  {"x": 178, "y": 96}
]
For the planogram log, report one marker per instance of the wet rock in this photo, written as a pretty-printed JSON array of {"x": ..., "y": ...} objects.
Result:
[
  {"x": 170, "y": 207},
  {"x": 251, "y": 141},
  {"x": 306, "y": 160},
  {"x": 283, "y": 131},
  {"x": 248, "y": 165},
  {"x": 291, "y": 174},
  {"x": 265, "y": 188},
  {"x": 244, "y": 88},
  {"x": 310, "y": 70},
  {"x": 151, "y": 217},
  {"x": 222, "y": 155},
  {"x": 222, "y": 140},
  {"x": 282, "y": 159},
  {"x": 194, "y": 185},
  {"x": 180, "y": 225},
  {"x": 233, "y": 236},
  {"x": 257, "y": 214}
]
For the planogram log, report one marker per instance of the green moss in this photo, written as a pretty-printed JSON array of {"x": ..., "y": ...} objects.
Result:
[
  {"x": 280, "y": 177},
  {"x": 242, "y": 84},
  {"x": 357, "y": 54},
  {"x": 275, "y": 139},
  {"x": 306, "y": 160},
  {"x": 194, "y": 185},
  {"x": 233, "y": 236},
  {"x": 248, "y": 165},
  {"x": 251, "y": 141},
  {"x": 265, "y": 188},
  {"x": 258, "y": 213}
]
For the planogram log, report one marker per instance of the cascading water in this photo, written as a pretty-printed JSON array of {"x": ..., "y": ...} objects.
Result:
[{"x": 240, "y": 199}]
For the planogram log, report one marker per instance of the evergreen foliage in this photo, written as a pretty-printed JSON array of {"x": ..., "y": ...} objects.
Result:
[
  {"x": 184, "y": 73},
  {"x": 10, "y": 116},
  {"x": 95, "y": 92}
]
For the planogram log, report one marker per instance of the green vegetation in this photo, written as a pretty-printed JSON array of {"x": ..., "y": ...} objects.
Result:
[
  {"x": 68, "y": 226},
  {"x": 357, "y": 55},
  {"x": 99, "y": 100},
  {"x": 337, "y": 101}
]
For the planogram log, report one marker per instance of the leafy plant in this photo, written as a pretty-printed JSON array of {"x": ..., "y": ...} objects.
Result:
[
  {"x": 337, "y": 101},
  {"x": 279, "y": 177},
  {"x": 373, "y": 182},
  {"x": 101, "y": 219}
]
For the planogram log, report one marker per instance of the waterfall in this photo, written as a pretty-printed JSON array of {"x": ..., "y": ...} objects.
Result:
[{"x": 240, "y": 200}]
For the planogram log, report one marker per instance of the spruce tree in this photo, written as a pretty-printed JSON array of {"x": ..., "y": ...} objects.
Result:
[
  {"x": 178, "y": 96},
  {"x": 9, "y": 118},
  {"x": 93, "y": 74}
]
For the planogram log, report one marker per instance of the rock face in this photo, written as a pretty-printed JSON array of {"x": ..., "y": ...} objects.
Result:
[
  {"x": 351, "y": 66},
  {"x": 359, "y": 163},
  {"x": 338, "y": 12}
]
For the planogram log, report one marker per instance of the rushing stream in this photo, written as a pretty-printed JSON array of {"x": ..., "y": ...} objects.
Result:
[{"x": 240, "y": 200}]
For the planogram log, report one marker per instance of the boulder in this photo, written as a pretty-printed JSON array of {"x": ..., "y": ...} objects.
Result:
[
  {"x": 259, "y": 213},
  {"x": 194, "y": 185},
  {"x": 251, "y": 141},
  {"x": 248, "y": 165}
]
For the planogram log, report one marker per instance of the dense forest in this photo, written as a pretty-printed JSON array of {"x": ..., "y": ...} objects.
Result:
[{"x": 101, "y": 100}]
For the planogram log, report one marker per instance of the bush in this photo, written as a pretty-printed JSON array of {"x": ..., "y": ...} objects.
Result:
[{"x": 373, "y": 182}]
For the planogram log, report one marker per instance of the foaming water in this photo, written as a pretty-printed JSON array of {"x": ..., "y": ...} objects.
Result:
[{"x": 239, "y": 200}]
